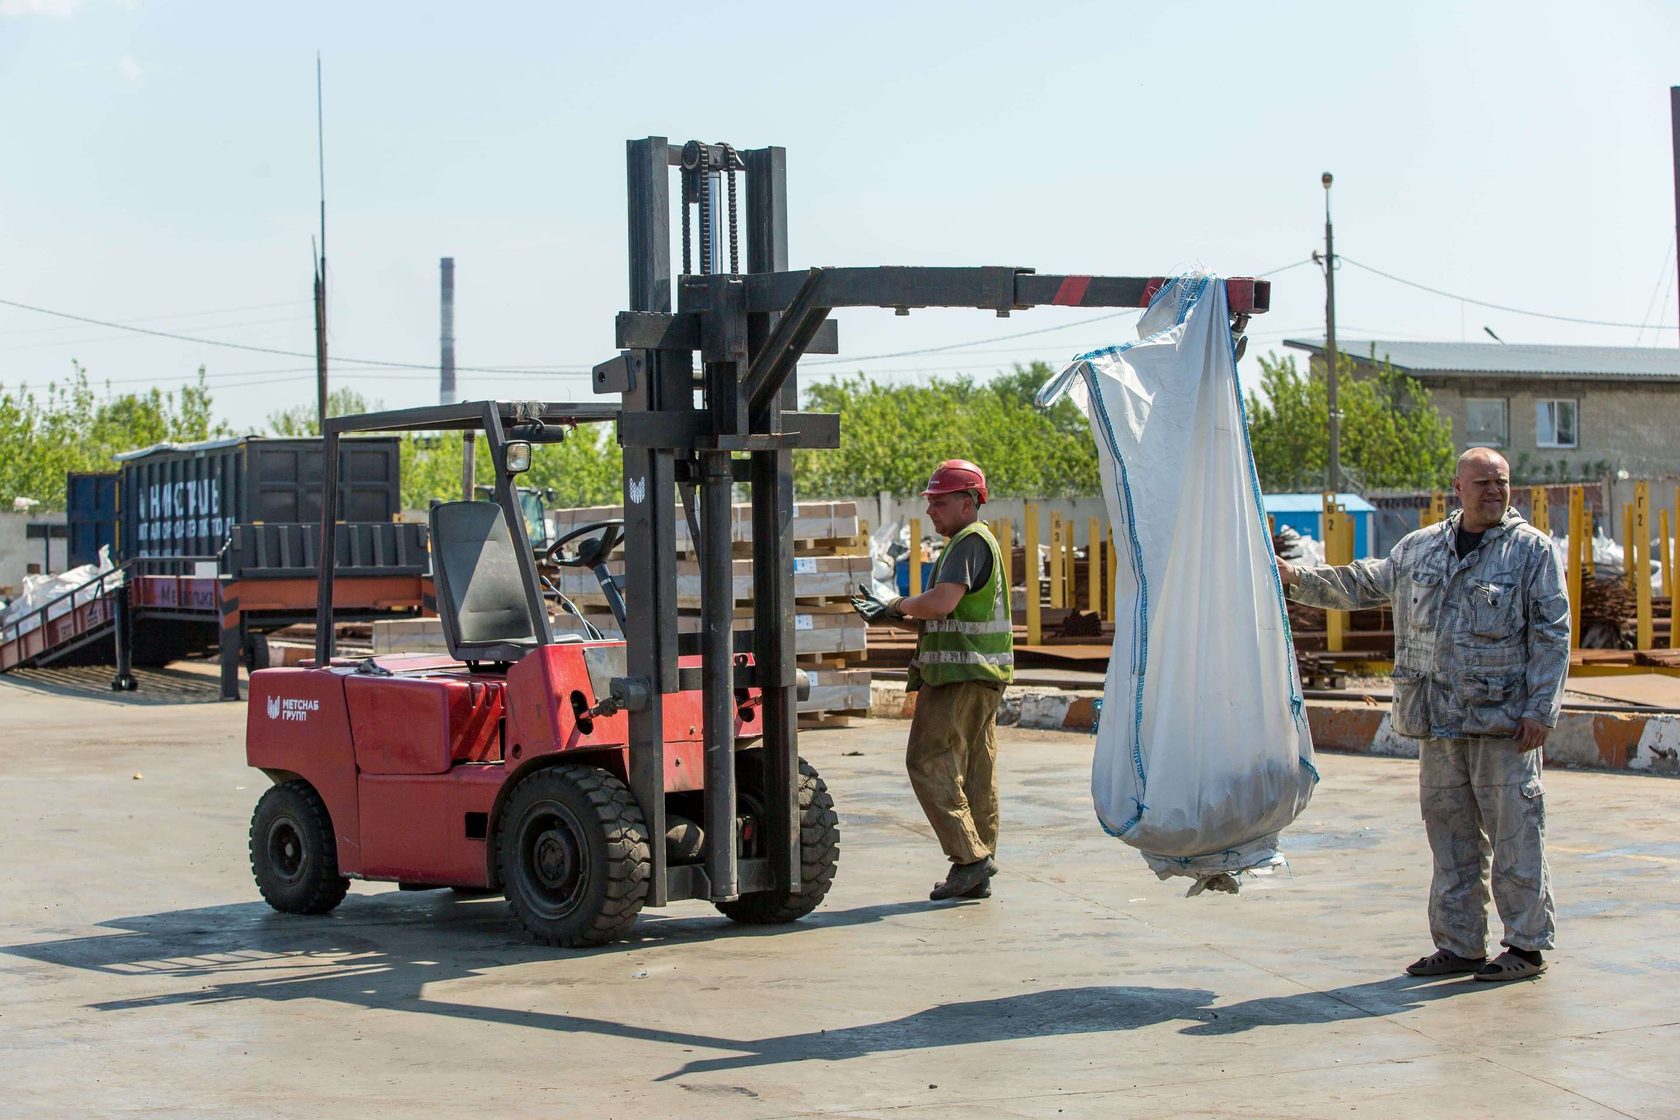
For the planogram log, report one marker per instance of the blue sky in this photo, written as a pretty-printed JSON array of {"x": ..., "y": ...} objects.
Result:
[{"x": 160, "y": 170}]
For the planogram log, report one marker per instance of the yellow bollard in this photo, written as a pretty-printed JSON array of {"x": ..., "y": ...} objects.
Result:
[
  {"x": 1664, "y": 554},
  {"x": 1029, "y": 537},
  {"x": 1540, "y": 509},
  {"x": 1674, "y": 585},
  {"x": 1053, "y": 562},
  {"x": 1113, "y": 573},
  {"x": 1335, "y": 622},
  {"x": 1641, "y": 565},
  {"x": 1579, "y": 546},
  {"x": 1093, "y": 567},
  {"x": 1588, "y": 568},
  {"x": 1627, "y": 544},
  {"x": 1070, "y": 593},
  {"x": 915, "y": 555},
  {"x": 1437, "y": 511}
]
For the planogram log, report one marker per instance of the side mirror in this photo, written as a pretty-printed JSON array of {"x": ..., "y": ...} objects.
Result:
[{"x": 517, "y": 457}]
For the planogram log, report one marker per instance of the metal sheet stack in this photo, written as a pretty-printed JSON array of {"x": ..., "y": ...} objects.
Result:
[{"x": 828, "y": 565}]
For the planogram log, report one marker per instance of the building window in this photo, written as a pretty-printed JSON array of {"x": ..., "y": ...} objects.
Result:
[
  {"x": 1484, "y": 422},
  {"x": 1554, "y": 424}
]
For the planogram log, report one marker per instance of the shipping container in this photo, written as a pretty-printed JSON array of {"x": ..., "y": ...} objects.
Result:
[
  {"x": 92, "y": 505},
  {"x": 184, "y": 500}
]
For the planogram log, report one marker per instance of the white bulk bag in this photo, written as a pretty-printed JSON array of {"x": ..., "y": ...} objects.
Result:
[{"x": 1203, "y": 752}]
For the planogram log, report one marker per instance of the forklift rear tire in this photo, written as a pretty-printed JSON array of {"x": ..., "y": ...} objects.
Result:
[
  {"x": 574, "y": 857},
  {"x": 293, "y": 853},
  {"x": 819, "y": 849}
]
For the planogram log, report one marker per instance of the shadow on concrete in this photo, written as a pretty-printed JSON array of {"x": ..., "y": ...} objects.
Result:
[
  {"x": 1376, "y": 999},
  {"x": 1098, "y": 1009},
  {"x": 383, "y": 953},
  {"x": 374, "y": 951},
  {"x": 93, "y": 682}
]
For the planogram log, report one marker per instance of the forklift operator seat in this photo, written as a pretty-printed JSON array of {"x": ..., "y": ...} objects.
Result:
[{"x": 481, "y": 593}]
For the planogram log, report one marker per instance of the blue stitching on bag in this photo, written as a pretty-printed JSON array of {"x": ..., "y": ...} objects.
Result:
[
  {"x": 1297, "y": 702},
  {"x": 1187, "y": 297}
]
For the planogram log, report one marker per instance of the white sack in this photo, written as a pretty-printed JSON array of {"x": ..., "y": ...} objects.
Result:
[
  {"x": 22, "y": 615},
  {"x": 1202, "y": 752}
]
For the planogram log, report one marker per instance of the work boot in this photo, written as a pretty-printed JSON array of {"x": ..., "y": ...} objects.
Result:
[{"x": 965, "y": 877}]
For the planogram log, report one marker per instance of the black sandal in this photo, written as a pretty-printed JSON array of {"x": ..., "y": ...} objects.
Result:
[
  {"x": 1443, "y": 963},
  {"x": 1510, "y": 966}
]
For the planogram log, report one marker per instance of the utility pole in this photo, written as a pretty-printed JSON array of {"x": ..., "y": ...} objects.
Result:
[
  {"x": 1333, "y": 482},
  {"x": 1674, "y": 124}
]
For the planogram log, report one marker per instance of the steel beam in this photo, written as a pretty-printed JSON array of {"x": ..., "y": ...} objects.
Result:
[
  {"x": 717, "y": 660},
  {"x": 771, "y": 476},
  {"x": 1001, "y": 289},
  {"x": 792, "y": 333},
  {"x": 649, "y": 508},
  {"x": 329, "y": 545}
]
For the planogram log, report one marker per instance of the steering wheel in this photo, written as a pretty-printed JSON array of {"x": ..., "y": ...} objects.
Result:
[{"x": 590, "y": 552}]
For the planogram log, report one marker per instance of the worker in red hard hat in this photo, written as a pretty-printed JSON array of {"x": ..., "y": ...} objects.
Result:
[{"x": 965, "y": 655}]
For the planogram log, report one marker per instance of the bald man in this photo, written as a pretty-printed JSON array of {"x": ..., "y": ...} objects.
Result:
[{"x": 1481, "y": 653}]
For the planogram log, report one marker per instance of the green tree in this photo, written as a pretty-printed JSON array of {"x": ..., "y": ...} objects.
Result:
[
  {"x": 303, "y": 420},
  {"x": 892, "y": 436},
  {"x": 67, "y": 427},
  {"x": 1393, "y": 437}
]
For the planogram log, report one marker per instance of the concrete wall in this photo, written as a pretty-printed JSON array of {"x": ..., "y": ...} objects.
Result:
[
  {"x": 17, "y": 551},
  {"x": 1635, "y": 428}
]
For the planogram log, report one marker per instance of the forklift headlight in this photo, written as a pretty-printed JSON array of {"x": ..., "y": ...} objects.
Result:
[{"x": 518, "y": 457}]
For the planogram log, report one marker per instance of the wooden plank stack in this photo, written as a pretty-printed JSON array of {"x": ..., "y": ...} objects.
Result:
[{"x": 829, "y": 638}]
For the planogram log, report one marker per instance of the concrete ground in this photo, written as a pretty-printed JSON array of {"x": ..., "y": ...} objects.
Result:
[{"x": 140, "y": 974}]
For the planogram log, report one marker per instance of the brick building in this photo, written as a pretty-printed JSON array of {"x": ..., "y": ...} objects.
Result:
[{"x": 1558, "y": 413}]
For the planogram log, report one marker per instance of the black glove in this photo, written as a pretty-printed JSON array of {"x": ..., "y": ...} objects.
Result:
[{"x": 873, "y": 608}]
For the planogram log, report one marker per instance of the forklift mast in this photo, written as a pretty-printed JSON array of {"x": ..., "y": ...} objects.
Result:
[
  {"x": 749, "y": 327},
  {"x": 699, "y": 429}
]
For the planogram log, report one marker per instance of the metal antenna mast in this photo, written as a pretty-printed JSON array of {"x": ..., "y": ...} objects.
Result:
[
  {"x": 446, "y": 384},
  {"x": 321, "y": 263}
]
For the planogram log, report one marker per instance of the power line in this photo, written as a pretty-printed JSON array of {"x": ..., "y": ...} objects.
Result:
[
  {"x": 428, "y": 366},
  {"x": 1485, "y": 303},
  {"x": 176, "y": 315},
  {"x": 1282, "y": 268},
  {"x": 121, "y": 337}
]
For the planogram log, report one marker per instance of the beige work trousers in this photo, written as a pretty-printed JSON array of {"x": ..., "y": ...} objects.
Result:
[{"x": 952, "y": 760}]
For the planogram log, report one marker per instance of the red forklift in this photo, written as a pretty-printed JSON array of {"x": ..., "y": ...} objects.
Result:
[
  {"x": 506, "y": 765},
  {"x": 586, "y": 779}
]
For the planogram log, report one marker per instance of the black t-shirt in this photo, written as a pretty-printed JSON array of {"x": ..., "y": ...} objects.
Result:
[
  {"x": 968, "y": 562},
  {"x": 1464, "y": 543}
]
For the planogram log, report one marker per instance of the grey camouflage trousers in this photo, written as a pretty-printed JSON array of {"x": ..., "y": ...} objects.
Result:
[{"x": 1482, "y": 801}]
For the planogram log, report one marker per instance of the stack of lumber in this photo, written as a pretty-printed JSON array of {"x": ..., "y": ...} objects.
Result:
[
  {"x": 829, "y": 638},
  {"x": 1608, "y": 612}
]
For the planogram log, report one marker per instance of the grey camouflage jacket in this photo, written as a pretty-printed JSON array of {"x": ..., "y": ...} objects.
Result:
[{"x": 1479, "y": 643}]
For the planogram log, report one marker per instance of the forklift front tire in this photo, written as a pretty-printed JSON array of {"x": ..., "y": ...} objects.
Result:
[
  {"x": 819, "y": 849},
  {"x": 293, "y": 853},
  {"x": 574, "y": 858}
]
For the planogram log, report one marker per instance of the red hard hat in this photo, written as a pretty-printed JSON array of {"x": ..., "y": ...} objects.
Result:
[{"x": 957, "y": 474}]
